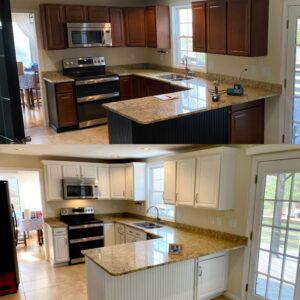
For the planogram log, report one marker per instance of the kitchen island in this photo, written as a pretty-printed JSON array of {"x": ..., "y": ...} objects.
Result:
[
  {"x": 190, "y": 118},
  {"x": 145, "y": 270}
]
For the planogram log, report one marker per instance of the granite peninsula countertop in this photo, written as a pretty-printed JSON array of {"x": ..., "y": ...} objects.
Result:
[
  {"x": 196, "y": 99},
  {"x": 54, "y": 222},
  {"x": 56, "y": 77},
  {"x": 128, "y": 258}
]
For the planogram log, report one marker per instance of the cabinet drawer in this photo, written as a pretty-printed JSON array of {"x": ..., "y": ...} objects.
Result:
[
  {"x": 62, "y": 88},
  {"x": 135, "y": 232},
  {"x": 59, "y": 231}
]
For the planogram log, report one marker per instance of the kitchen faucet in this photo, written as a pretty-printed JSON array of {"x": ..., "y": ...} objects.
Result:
[
  {"x": 158, "y": 220},
  {"x": 185, "y": 61}
]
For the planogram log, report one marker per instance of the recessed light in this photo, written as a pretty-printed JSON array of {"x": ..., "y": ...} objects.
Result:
[
  {"x": 146, "y": 148},
  {"x": 20, "y": 149}
]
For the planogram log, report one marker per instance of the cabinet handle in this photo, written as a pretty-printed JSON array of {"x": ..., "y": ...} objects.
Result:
[
  {"x": 177, "y": 196},
  {"x": 197, "y": 198},
  {"x": 200, "y": 271}
]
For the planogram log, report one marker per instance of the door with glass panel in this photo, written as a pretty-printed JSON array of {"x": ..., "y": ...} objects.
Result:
[{"x": 274, "y": 265}]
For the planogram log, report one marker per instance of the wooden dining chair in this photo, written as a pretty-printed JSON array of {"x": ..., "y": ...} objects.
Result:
[
  {"x": 20, "y": 67},
  {"x": 36, "y": 90}
]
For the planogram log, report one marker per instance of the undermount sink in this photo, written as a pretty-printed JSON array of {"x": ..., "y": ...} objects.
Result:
[
  {"x": 175, "y": 77},
  {"x": 148, "y": 225}
]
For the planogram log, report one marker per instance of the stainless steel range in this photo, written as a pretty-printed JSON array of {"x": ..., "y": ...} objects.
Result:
[
  {"x": 94, "y": 86},
  {"x": 84, "y": 231}
]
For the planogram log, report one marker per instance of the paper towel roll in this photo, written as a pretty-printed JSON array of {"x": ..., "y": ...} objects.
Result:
[{"x": 27, "y": 214}]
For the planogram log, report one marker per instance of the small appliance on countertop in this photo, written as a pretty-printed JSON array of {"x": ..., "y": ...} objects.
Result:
[
  {"x": 94, "y": 86},
  {"x": 84, "y": 231}
]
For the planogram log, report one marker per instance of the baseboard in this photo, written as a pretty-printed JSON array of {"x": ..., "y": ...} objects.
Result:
[{"x": 232, "y": 296}]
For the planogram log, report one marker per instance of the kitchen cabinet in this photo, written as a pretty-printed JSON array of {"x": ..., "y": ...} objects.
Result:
[
  {"x": 199, "y": 26},
  {"x": 89, "y": 172},
  {"x": 126, "y": 87},
  {"x": 215, "y": 179},
  {"x": 135, "y": 26},
  {"x": 216, "y": 26},
  {"x": 134, "y": 235},
  {"x": 135, "y": 180},
  {"x": 53, "y": 182},
  {"x": 247, "y": 123},
  {"x": 185, "y": 185},
  {"x": 98, "y": 14},
  {"x": 169, "y": 182},
  {"x": 62, "y": 106},
  {"x": 109, "y": 234},
  {"x": 117, "y": 182},
  {"x": 58, "y": 245},
  {"x": 120, "y": 234},
  {"x": 104, "y": 182},
  {"x": 212, "y": 275},
  {"x": 157, "y": 20},
  {"x": 117, "y": 26},
  {"x": 71, "y": 171},
  {"x": 53, "y": 26},
  {"x": 76, "y": 13},
  {"x": 247, "y": 31}
]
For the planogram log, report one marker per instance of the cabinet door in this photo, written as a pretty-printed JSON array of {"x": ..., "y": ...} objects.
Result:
[
  {"x": 130, "y": 238},
  {"x": 238, "y": 35},
  {"x": 53, "y": 25},
  {"x": 66, "y": 110},
  {"x": 150, "y": 17},
  {"x": 247, "y": 125},
  {"x": 129, "y": 182},
  {"x": 89, "y": 172},
  {"x": 117, "y": 182},
  {"x": 117, "y": 27},
  {"x": 199, "y": 26},
  {"x": 103, "y": 182},
  {"x": 208, "y": 181},
  {"x": 120, "y": 233},
  {"x": 109, "y": 234},
  {"x": 76, "y": 13},
  {"x": 170, "y": 182},
  {"x": 185, "y": 187},
  {"x": 71, "y": 171},
  {"x": 61, "y": 249},
  {"x": 98, "y": 14},
  {"x": 212, "y": 277},
  {"x": 54, "y": 182},
  {"x": 216, "y": 26},
  {"x": 126, "y": 87},
  {"x": 135, "y": 26}
]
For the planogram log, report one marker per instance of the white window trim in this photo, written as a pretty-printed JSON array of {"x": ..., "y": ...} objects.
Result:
[
  {"x": 174, "y": 48},
  {"x": 151, "y": 214}
]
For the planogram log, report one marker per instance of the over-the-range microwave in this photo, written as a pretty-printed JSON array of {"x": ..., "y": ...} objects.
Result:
[
  {"x": 81, "y": 35},
  {"x": 80, "y": 188}
]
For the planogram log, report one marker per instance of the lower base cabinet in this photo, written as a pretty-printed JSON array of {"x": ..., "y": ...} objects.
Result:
[
  {"x": 109, "y": 234},
  {"x": 119, "y": 234}
]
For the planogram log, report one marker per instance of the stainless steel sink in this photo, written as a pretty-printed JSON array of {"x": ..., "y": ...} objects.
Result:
[
  {"x": 148, "y": 225},
  {"x": 175, "y": 77}
]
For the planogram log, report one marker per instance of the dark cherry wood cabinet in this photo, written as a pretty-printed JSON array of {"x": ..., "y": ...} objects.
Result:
[
  {"x": 117, "y": 26},
  {"x": 61, "y": 106},
  {"x": 199, "y": 26},
  {"x": 135, "y": 26},
  {"x": 247, "y": 123},
  {"x": 248, "y": 27},
  {"x": 99, "y": 14},
  {"x": 157, "y": 20},
  {"x": 216, "y": 26},
  {"x": 76, "y": 13},
  {"x": 126, "y": 87},
  {"x": 53, "y": 26}
]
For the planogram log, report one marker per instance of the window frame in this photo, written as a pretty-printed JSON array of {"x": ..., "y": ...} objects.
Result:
[
  {"x": 150, "y": 214},
  {"x": 174, "y": 34}
]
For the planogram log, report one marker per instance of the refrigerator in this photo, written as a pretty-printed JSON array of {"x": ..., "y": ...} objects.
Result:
[{"x": 9, "y": 272}]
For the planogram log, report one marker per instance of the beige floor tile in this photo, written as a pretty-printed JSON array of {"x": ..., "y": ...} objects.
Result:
[{"x": 18, "y": 296}]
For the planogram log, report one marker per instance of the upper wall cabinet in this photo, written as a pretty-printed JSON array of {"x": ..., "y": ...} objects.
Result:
[
  {"x": 98, "y": 14},
  {"x": 170, "y": 182},
  {"x": 135, "y": 26},
  {"x": 117, "y": 182},
  {"x": 199, "y": 26},
  {"x": 117, "y": 26},
  {"x": 76, "y": 13},
  {"x": 53, "y": 26},
  {"x": 135, "y": 179},
  {"x": 158, "y": 27},
  {"x": 53, "y": 182}
]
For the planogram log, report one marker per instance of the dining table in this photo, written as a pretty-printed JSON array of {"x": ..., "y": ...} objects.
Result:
[
  {"x": 27, "y": 225},
  {"x": 27, "y": 84}
]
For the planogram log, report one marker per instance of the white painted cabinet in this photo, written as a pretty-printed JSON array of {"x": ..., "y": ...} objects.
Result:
[
  {"x": 212, "y": 276},
  {"x": 135, "y": 182},
  {"x": 53, "y": 182},
  {"x": 89, "y": 172},
  {"x": 109, "y": 234},
  {"x": 117, "y": 182},
  {"x": 71, "y": 171},
  {"x": 104, "y": 182},
  {"x": 58, "y": 245},
  {"x": 120, "y": 233},
  {"x": 170, "y": 182},
  {"x": 185, "y": 185},
  {"x": 134, "y": 235}
]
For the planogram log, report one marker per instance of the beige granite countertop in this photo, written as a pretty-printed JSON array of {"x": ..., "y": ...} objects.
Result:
[
  {"x": 55, "y": 222},
  {"x": 196, "y": 99},
  {"x": 56, "y": 77},
  {"x": 127, "y": 258}
]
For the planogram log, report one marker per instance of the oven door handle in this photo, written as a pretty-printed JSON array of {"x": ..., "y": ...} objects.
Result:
[
  {"x": 97, "y": 97},
  {"x": 85, "y": 226},
  {"x": 88, "y": 239},
  {"x": 97, "y": 80}
]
